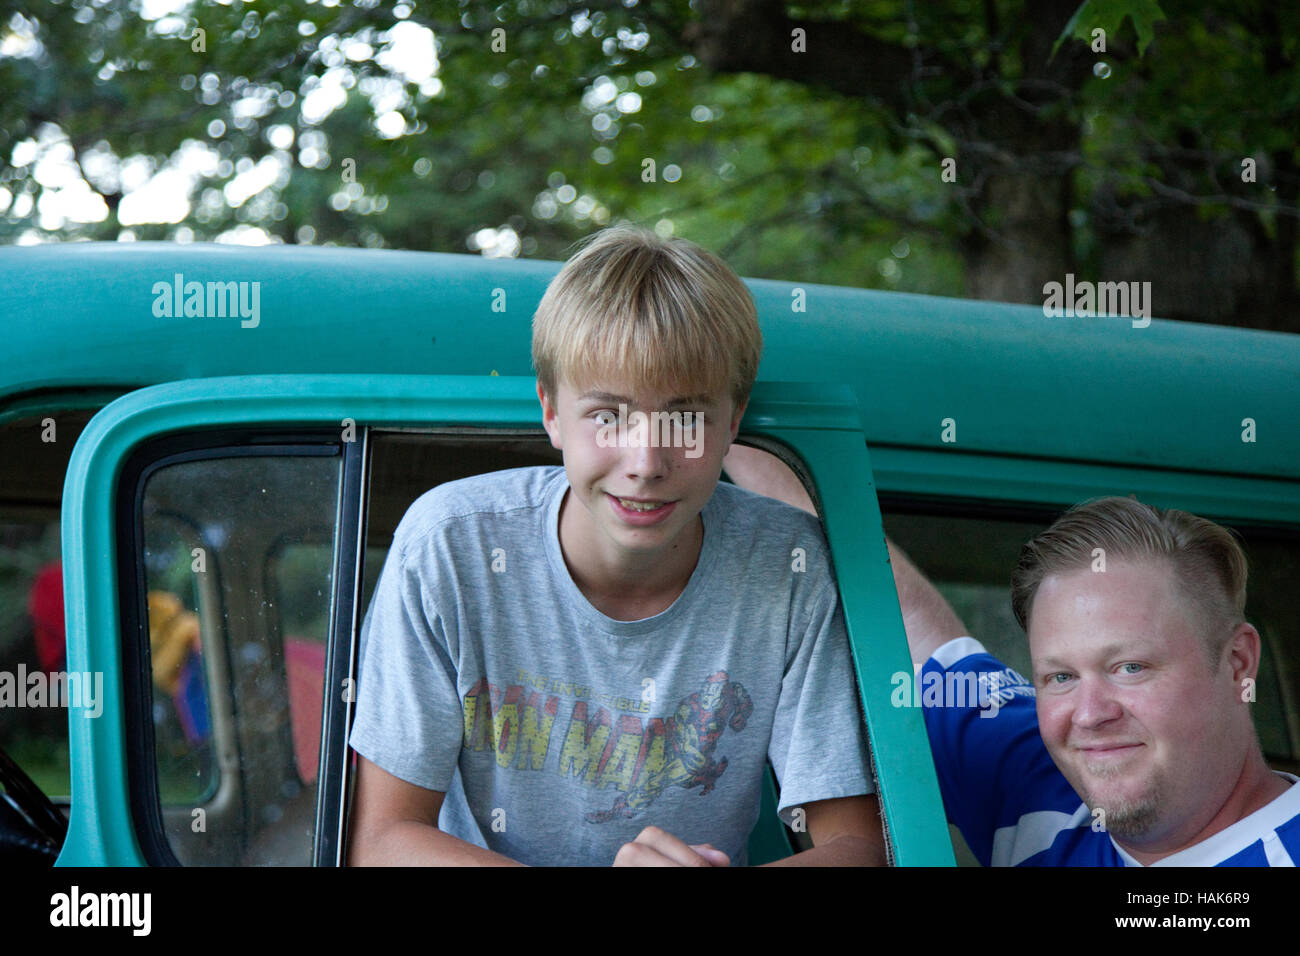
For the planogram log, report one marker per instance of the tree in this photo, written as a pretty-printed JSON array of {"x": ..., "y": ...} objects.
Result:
[{"x": 803, "y": 140}]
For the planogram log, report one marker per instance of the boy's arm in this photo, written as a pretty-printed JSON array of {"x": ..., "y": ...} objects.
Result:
[
  {"x": 395, "y": 823},
  {"x": 845, "y": 832}
]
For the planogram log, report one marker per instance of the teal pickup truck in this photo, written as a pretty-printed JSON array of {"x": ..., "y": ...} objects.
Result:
[{"x": 204, "y": 451}]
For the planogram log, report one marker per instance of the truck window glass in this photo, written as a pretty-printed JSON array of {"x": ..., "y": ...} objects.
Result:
[{"x": 237, "y": 606}]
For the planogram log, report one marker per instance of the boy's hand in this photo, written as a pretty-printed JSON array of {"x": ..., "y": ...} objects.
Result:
[{"x": 656, "y": 847}]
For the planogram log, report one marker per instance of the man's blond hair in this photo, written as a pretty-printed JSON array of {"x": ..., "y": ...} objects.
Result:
[
  {"x": 663, "y": 314},
  {"x": 1207, "y": 561}
]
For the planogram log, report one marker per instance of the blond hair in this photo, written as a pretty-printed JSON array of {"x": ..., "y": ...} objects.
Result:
[
  {"x": 1207, "y": 560},
  {"x": 663, "y": 313}
]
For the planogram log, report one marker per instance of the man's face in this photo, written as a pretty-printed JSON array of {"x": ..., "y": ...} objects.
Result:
[
  {"x": 640, "y": 479},
  {"x": 1128, "y": 705}
]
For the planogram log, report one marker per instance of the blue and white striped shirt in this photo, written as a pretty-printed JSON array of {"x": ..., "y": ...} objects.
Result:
[{"x": 1015, "y": 808}]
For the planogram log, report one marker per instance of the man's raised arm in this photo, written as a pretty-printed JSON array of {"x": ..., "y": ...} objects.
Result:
[{"x": 929, "y": 620}]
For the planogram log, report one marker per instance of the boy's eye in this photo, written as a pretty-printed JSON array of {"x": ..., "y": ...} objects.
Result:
[
  {"x": 1131, "y": 667},
  {"x": 606, "y": 417}
]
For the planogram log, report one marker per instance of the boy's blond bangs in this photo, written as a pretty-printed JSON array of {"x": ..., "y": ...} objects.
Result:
[{"x": 637, "y": 312}]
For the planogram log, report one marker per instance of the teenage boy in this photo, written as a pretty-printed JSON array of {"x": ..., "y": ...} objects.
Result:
[{"x": 591, "y": 664}]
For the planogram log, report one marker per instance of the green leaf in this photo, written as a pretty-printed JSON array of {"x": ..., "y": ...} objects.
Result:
[{"x": 1110, "y": 16}]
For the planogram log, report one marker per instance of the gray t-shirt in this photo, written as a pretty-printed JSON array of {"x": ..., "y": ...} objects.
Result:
[{"x": 558, "y": 733}]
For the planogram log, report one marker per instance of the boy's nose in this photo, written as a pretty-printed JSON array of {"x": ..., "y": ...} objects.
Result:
[{"x": 645, "y": 459}]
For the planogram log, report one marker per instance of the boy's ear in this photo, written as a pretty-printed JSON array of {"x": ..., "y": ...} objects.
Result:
[
  {"x": 549, "y": 419},
  {"x": 735, "y": 419}
]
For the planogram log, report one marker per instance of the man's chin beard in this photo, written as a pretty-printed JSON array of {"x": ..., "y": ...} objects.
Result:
[
  {"x": 1127, "y": 818},
  {"x": 1130, "y": 820}
]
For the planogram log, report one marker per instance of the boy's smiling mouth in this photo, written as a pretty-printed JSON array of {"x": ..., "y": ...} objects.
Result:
[
  {"x": 641, "y": 510},
  {"x": 640, "y": 505}
]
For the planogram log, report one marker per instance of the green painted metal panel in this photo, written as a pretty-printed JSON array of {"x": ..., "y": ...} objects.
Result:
[
  {"x": 54, "y": 402},
  {"x": 1017, "y": 383},
  {"x": 906, "y": 782},
  {"x": 819, "y": 423},
  {"x": 956, "y": 476}
]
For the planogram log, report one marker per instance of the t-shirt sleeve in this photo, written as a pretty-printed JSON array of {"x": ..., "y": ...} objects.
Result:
[
  {"x": 408, "y": 713},
  {"x": 819, "y": 741},
  {"x": 992, "y": 765}
]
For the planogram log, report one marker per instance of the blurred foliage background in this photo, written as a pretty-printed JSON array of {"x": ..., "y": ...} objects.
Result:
[{"x": 801, "y": 141}]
